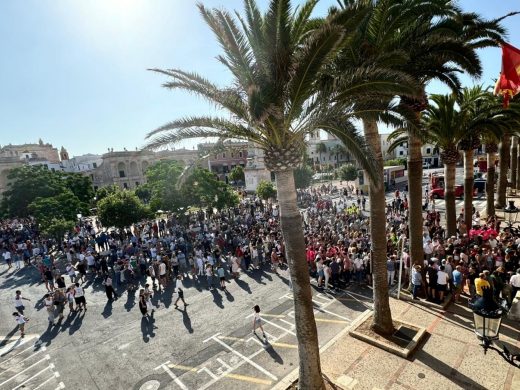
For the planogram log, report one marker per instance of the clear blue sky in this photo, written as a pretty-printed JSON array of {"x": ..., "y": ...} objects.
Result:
[{"x": 73, "y": 72}]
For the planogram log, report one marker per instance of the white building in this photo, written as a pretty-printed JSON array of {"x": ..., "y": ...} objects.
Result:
[{"x": 255, "y": 170}]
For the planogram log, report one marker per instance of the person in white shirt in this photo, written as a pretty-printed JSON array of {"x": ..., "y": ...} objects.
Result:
[
  {"x": 21, "y": 321},
  {"x": 179, "y": 291},
  {"x": 515, "y": 283},
  {"x": 79, "y": 298},
  {"x": 442, "y": 282},
  {"x": 18, "y": 302},
  {"x": 7, "y": 257}
]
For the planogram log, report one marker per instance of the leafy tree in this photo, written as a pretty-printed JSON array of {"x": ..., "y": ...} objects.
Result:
[
  {"x": 265, "y": 190},
  {"x": 57, "y": 228},
  {"x": 348, "y": 172},
  {"x": 237, "y": 174},
  {"x": 27, "y": 183},
  {"x": 122, "y": 209},
  {"x": 103, "y": 192},
  {"x": 64, "y": 206},
  {"x": 163, "y": 180},
  {"x": 144, "y": 193},
  {"x": 303, "y": 176},
  {"x": 321, "y": 148},
  {"x": 203, "y": 189},
  {"x": 80, "y": 185}
]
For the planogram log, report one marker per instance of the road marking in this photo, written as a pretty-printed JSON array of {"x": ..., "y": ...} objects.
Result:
[
  {"x": 50, "y": 366},
  {"x": 47, "y": 357},
  {"x": 288, "y": 323},
  {"x": 331, "y": 321},
  {"x": 330, "y": 312},
  {"x": 47, "y": 381},
  {"x": 20, "y": 341},
  {"x": 245, "y": 358},
  {"x": 279, "y": 327},
  {"x": 251, "y": 379},
  {"x": 174, "y": 377},
  {"x": 205, "y": 369},
  {"x": 244, "y": 378},
  {"x": 281, "y": 345},
  {"x": 223, "y": 363},
  {"x": 268, "y": 315}
]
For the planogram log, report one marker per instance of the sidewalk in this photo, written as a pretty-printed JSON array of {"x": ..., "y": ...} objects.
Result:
[{"x": 449, "y": 358}]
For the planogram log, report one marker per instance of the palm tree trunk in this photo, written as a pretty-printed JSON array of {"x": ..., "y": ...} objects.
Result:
[
  {"x": 469, "y": 182},
  {"x": 449, "y": 197},
  {"x": 490, "y": 185},
  {"x": 382, "y": 320},
  {"x": 504, "y": 157},
  {"x": 415, "y": 217},
  {"x": 514, "y": 161},
  {"x": 306, "y": 332}
]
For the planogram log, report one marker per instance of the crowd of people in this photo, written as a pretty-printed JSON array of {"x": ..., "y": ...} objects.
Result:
[{"x": 212, "y": 247}]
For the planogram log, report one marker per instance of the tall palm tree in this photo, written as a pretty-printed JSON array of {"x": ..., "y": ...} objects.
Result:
[
  {"x": 491, "y": 147},
  {"x": 275, "y": 59},
  {"x": 504, "y": 158},
  {"x": 373, "y": 47},
  {"x": 514, "y": 161},
  {"x": 443, "y": 43}
]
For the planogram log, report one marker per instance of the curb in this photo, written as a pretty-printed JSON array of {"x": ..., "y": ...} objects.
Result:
[{"x": 288, "y": 380}]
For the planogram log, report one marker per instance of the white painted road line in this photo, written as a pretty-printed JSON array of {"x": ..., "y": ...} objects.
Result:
[
  {"x": 50, "y": 366},
  {"x": 320, "y": 309},
  {"x": 174, "y": 377},
  {"x": 47, "y": 357},
  {"x": 207, "y": 371},
  {"x": 245, "y": 358},
  {"x": 278, "y": 326},
  {"x": 45, "y": 382}
]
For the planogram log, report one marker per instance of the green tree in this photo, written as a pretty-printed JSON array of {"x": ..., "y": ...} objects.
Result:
[
  {"x": 163, "y": 180},
  {"x": 144, "y": 193},
  {"x": 321, "y": 148},
  {"x": 237, "y": 174},
  {"x": 57, "y": 228},
  {"x": 265, "y": 190},
  {"x": 203, "y": 189},
  {"x": 103, "y": 192},
  {"x": 80, "y": 185},
  {"x": 303, "y": 176},
  {"x": 122, "y": 209},
  {"x": 27, "y": 183},
  {"x": 348, "y": 172},
  {"x": 64, "y": 206},
  {"x": 276, "y": 60}
]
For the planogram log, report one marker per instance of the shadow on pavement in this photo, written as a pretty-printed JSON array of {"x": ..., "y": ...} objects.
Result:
[
  {"x": 147, "y": 327},
  {"x": 186, "y": 320}
]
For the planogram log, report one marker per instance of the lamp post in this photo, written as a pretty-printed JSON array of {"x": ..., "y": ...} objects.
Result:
[
  {"x": 512, "y": 211},
  {"x": 487, "y": 318}
]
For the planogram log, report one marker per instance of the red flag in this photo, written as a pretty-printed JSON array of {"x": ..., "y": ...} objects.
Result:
[{"x": 508, "y": 85}]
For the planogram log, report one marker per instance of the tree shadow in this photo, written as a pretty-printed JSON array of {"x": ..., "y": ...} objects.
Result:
[
  {"x": 186, "y": 320},
  {"x": 107, "y": 311},
  {"x": 445, "y": 370},
  {"x": 147, "y": 327},
  {"x": 243, "y": 285},
  {"x": 217, "y": 298}
]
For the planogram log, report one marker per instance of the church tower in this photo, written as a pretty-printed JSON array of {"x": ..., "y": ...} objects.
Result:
[{"x": 64, "y": 155}]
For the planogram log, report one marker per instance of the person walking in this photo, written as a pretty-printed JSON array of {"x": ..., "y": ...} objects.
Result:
[
  {"x": 18, "y": 302},
  {"x": 257, "y": 321},
  {"x": 79, "y": 298},
  {"x": 109, "y": 289},
  {"x": 49, "y": 306},
  {"x": 457, "y": 283},
  {"x": 390, "y": 270},
  {"x": 142, "y": 303},
  {"x": 21, "y": 320},
  {"x": 221, "y": 276},
  {"x": 209, "y": 276},
  {"x": 179, "y": 291},
  {"x": 70, "y": 299},
  {"x": 59, "y": 302}
]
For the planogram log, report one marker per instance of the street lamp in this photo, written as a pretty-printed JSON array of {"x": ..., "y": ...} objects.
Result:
[
  {"x": 487, "y": 318},
  {"x": 511, "y": 209}
]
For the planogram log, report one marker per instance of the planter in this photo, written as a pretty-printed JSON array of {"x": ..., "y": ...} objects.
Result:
[{"x": 402, "y": 342}]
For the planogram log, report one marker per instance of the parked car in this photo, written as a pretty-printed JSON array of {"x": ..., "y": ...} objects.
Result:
[{"x": 438, "y": 193}]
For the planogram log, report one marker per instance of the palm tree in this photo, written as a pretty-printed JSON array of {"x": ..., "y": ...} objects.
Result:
[
  {"x": 321, "y": 148},
  {"x": 275, "y": 59},
  {"x": 373, "y": 48},
  {"x": 491, "y": 151},
  {"x": 504, "y": 158},
  {"x": 443, "y": 42}
]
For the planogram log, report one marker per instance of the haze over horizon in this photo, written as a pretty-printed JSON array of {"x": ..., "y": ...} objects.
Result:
[{"x": 74, "y": 73}]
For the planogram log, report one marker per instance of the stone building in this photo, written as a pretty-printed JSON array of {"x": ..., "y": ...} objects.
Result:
[
  {"x": 41, "y": 150},
  {"x": 221, "y": 160},
  {"x": 255, "y": 170},
  {"x": 127, "y": 168}
]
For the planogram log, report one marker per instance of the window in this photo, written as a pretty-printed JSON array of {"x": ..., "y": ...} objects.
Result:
[
  {"x": 232, "y": 155},
  {"x": 96, "y": 188},
  {"x": 94, "y": 165},
  {"x": 401, "y": 153},
  {"x": 428, "y": 150},
  {"x": 125, "y": 186},
  {"x": 137, "y": 184},
  {"x": 121, "y": 173},
  {"x": 239, "y": 154},
  {"x": 223, "y": 155},
  {"x": 53, "y": 170}
]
